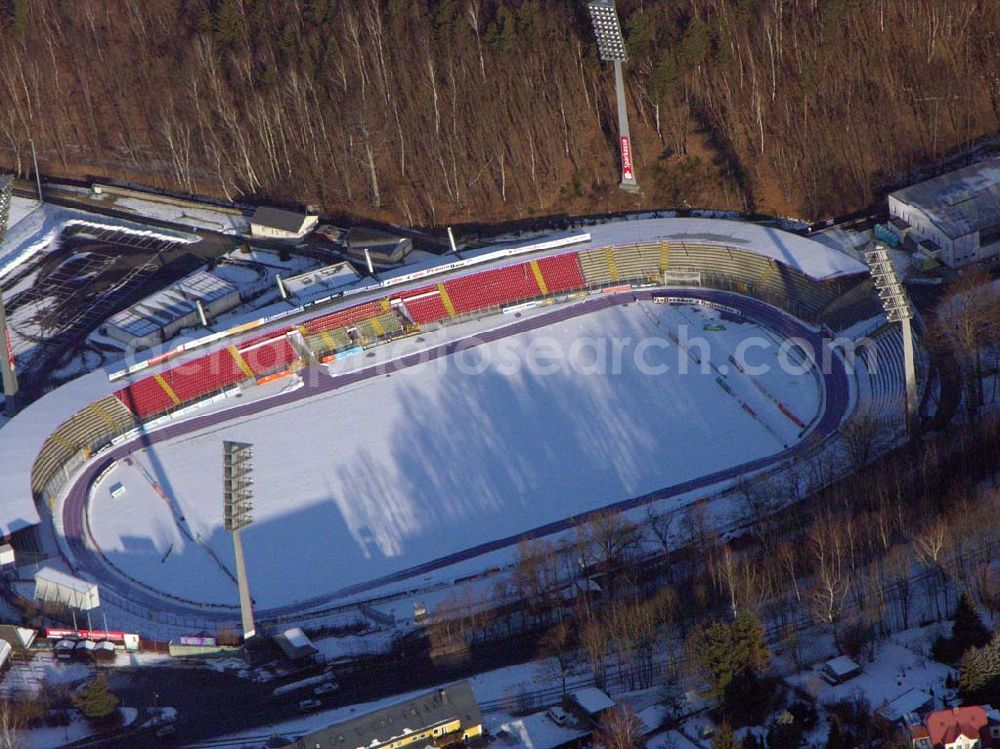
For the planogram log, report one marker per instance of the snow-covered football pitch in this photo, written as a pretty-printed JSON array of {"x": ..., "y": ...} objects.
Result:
[{"x": 411, "y": 465}]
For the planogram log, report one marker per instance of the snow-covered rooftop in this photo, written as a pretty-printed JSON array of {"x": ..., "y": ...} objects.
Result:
[
  {"x": 812, "y": 258},
  {"x": 172, "y": 303},
  {"x": 909, "y": 702},
  {"x": 959, "y": 202},
  {"x": 537, "y": 731},
  {"x": 842, "y": 666},
  {"x": 315, "y": 283},
  {"x": 64, "y": 579},
  {"x": 592, "y": 700}
]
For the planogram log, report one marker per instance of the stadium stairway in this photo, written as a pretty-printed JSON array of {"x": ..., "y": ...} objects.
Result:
[{"x": 886, "y": 382}]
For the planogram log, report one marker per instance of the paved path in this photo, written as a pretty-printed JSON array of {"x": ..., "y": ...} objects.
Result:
[{"x": 91, "y": 560}]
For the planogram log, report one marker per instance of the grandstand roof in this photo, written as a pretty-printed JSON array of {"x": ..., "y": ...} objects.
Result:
[
  {"x": 22, "y": 438},
  {"x": 807, "y": 255}
]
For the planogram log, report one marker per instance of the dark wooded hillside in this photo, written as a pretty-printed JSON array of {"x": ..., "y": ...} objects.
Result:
[{"x": 426, "y": 111}]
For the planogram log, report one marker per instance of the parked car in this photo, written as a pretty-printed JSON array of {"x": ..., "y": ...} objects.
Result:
[
  {"x": 330, "y": 233},
  {"x": 557, "y": 715},
  {"x": 307, "y": 706},
  {"x": 326, "y": 688}
]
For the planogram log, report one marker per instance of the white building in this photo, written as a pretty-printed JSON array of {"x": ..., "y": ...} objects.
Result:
[
  {"x": 320, "y": 282},
  {"x": 57, "y": 586},
  {"x": 159, "y": 317},
  {"x": 277, "y": 223},
  {"x": 954, "y": 218}
]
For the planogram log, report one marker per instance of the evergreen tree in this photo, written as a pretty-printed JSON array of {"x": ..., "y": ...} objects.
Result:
[
  {"x": 725, "y": 739},
  {"x": 750, "y": 642},
  {"x": 725, "y": 652},
  {"x": 713, "y": 651},
  {"x": 227, "y": 23},
  {"x": 979, "y": 673},
  {"x": 968, "y": 630},
  {"x": 96, "y": 701},
  {"x": 837, "y": 738}
]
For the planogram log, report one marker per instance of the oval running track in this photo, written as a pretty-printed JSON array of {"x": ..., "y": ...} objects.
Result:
[{"x": 91, "y": 560}]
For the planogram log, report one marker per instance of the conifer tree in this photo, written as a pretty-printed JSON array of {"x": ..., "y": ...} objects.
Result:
[
  {"x": 968, "y": 630},
  {"x": 725, "y": 739},
  {"x": 96, "y": 701}
]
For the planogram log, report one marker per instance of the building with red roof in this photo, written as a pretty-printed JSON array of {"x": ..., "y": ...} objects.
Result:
[{"x": 970, "y": 727}]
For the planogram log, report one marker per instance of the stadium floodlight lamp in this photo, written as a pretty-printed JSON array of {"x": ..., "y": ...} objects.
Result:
[
  {"x": 237, "y": 496},
  {"x": 611, "y": 47},
  {"x": 237, "y": 493},
  {"x": 608, "y": 30},
  {"x": 898, "y": 309},
  {"x": 890, "y": 289}
]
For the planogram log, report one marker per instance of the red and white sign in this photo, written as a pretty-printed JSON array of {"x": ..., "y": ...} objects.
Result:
[
  {"x": 626, "y": 146},
  {"x": 84, "y": 634}
]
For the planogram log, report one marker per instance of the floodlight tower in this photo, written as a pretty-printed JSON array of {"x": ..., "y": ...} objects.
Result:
[
  {"x": 237, "y": 493},
  {"x": 611, "y": 46},
  {"x": 897, "y": 309},
  {"x": 6, "y": 193},
  {"x": 8, "y": 372}
]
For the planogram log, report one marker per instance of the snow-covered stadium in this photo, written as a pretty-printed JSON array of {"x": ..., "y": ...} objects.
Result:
[{"x": 414, "y": 430}]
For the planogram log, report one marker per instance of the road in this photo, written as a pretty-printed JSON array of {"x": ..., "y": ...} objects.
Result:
[{"x": 90, "y": 559}]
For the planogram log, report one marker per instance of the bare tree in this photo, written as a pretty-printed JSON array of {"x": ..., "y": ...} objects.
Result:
[
  {"x": 620, "y": 728},
  {"x": 556, "y": 651}
]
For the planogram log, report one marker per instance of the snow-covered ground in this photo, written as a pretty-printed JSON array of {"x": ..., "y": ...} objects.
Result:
[
  {"x": 46, "y": 737},
  {"x": 901, "y": 666},
  {"x": 405, "y": 468},
  {"x": 19, "y": 209},
  {"x": 197, "y": 217}
]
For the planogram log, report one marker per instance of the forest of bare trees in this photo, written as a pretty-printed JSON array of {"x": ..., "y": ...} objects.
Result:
[{"x": 424, "y": 111}]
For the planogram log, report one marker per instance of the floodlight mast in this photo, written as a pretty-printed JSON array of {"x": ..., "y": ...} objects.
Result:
[
  {"x": 897, "y": 308},
  {"x": 611, "y": 47},
  {"x": 8, "y": 371},
  {"x": 237, "y": 495}
]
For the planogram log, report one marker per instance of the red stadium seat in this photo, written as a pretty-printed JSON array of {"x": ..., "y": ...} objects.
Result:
[
  {"x": 268, "y": 357},
  {"x": 207, "y": 374},
  {"x": 492, "y": 288},
  {"x": 145, "y": 398},
  {"x": 424, "y": 304},
  {"x": 562, "y": 272},
  {"x": 344, "y": 317}
]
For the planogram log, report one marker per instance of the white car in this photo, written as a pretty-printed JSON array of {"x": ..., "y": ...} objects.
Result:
[
  {"x": 307, "y": 706},
  {"x": 557, "y": 715},
  {"x": 325, "y": 688}
]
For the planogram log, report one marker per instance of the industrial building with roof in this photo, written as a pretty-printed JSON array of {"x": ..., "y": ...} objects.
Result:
[
  {"x": 277, "y": 223},
  {"x": 383, "y": 248},
  {"x": 160, "y": 317},
  {"x": 953, "y": 218},
  {"x": 442, "y": 717}
]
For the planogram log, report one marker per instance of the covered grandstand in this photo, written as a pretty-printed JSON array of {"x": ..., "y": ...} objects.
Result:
[{"x": 53, "y": 438}]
